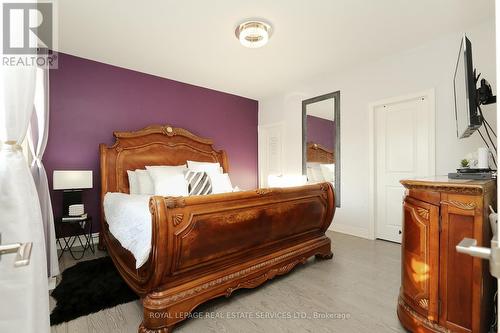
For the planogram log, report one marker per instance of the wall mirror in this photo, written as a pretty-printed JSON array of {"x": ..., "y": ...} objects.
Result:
[{"x": 321, "y": 140}]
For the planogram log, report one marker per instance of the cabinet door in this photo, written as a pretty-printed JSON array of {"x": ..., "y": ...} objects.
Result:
[
  {"x": 420, "y": 250},
  {"x": 459, "y": 272}
]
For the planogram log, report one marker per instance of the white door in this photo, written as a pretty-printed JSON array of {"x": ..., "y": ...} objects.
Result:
[
  {"x": 270, "y": 151},
  {"x": 404, "y": 148}
]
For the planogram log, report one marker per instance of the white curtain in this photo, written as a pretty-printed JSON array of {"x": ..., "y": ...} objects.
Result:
[
  {"x": 24, "y": 298},
  {"x": 37, "y": 138}
]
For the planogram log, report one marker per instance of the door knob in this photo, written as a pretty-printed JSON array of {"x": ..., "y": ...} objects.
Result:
[
  {"x": 23, "y": 251},
  {"x": 468, "y": 246}
]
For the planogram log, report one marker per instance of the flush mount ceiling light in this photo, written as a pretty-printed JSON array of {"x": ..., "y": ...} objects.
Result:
[{"x": 253, "y": 34}]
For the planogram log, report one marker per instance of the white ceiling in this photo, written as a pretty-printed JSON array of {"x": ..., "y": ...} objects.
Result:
[
  {"x": 323, "y": 109},
  {"x": 193, "y": 41}
]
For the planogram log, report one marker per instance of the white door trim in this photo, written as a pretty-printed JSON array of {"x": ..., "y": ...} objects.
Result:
[{"x": 430, "y": 94}]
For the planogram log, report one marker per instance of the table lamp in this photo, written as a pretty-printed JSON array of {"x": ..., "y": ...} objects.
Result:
[{"x": 72, "y": 182}]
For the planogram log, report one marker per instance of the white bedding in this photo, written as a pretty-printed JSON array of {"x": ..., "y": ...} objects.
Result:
[
  {"x": 129, "y": 221},
  {"x": 129, "y": 218}
]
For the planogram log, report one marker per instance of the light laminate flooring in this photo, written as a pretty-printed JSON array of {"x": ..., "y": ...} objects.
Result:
[{"x": 354, "y": 292}]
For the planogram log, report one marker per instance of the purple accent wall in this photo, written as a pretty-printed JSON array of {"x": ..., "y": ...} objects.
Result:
[
  {"x": 89, "y": 100},
  {"x": 321, "y": 131}
]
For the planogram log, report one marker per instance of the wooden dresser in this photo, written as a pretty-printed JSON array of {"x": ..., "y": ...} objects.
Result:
[{"x": 441, "y": 289}]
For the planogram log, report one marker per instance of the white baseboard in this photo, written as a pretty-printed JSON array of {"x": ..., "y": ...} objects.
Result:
[
  {"x": 95, "y": 237},
  {"x": 350, "y": 230}
]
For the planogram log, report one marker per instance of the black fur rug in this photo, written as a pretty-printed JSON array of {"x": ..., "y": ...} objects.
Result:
[{"x": 89, "y": 287}]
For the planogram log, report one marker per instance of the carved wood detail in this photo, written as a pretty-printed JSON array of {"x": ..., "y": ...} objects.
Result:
[
  {"x": 426, "y": 322},
  {"x": 177, "y": 219},
  {"x": 159, "y": 129},
  {"x": 152, "y": 207},
  {"x": 459, "y": 204},
  {"x": 459, "y": 188},
  {"x": 252, "y": 283},
  {"x": 193, "y": 291},
  {"x": 423, "y": 212},
  {"x": 424, "y": 303},
  {"x": 173, "y": 202},
  {"x": 168, "y": 130}
]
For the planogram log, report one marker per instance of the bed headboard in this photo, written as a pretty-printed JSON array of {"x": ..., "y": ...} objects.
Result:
[
  {"x": 319, "y": 153},
  {"x": 153, "y": 145}
]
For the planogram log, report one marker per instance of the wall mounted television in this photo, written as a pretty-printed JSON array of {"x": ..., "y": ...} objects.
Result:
[{"x": 467, "y": 114}]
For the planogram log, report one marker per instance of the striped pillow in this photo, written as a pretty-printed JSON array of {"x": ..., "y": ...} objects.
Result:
[{"x": 198, "y": 183}]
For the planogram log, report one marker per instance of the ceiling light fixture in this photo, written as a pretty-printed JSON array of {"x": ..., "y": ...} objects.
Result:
[{"x": 253, "y": 34}]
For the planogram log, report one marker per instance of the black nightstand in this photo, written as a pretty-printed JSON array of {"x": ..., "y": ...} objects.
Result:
[{"x": 69, "y": 232}]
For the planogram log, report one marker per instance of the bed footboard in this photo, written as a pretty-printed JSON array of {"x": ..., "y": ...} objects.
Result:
[{"x": 210, "y": 246}]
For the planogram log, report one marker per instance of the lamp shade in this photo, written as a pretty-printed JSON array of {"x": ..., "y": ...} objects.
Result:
[{"x": 72, "y": 180}]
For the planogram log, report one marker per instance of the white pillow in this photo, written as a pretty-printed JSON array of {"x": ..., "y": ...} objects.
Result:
[
  {"x": 208, "y": 167},
  {"x": 168, "y": 181},
  {"x": 145, "y": 182},
  {"x": 133, "y": 182},
  {"x": 171, "y": 169},
  {"x": 328, "y": 171},
  {"x": 172, "y": 185},
  {"x": 221, "y": 183}
]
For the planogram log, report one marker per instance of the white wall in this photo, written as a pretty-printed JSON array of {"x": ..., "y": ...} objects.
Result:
[{"x": 429, "y": 66}]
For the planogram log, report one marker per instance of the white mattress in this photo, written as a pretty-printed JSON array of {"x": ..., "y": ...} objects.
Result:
[{"x": 129, "y": 221}]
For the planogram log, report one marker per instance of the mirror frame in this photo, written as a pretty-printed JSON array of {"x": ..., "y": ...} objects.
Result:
[{"x": 336, "y": 96}]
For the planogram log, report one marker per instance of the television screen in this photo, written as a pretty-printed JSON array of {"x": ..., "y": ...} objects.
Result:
[{"x": 466, "y": 113}]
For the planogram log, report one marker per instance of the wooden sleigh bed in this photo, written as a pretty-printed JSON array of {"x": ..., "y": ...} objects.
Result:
[{"x": 209, "y": 246}]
